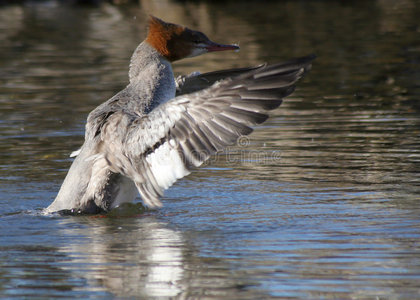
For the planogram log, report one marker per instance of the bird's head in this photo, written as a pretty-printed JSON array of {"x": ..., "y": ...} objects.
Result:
[{"x": 175, "y": 42}]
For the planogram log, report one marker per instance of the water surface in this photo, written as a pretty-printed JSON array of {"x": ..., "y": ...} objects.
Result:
[{"x": 322, "y": 201}]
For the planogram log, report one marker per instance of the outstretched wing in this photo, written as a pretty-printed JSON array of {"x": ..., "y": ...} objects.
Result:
[{"x": 163, "y": 146}]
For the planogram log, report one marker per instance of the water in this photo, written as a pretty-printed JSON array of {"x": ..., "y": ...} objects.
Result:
[{"x": 322, "y": 201}]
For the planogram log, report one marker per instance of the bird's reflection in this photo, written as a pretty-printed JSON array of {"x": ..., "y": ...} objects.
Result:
[
  {"x": 142, "y": 256},
  {"x": 127, "y": 257}
]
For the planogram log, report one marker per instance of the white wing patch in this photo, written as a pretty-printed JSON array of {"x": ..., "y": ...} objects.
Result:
[{"x": 166, "y": 164}]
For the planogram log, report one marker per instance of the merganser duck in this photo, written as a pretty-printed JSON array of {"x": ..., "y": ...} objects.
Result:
[{"x": 157, "y": 129}]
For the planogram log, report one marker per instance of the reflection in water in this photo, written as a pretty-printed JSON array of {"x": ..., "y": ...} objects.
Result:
[
  {"x": 321, "y": 202},
  {"x": 141, "y": 257},
  {"x": 128, "y": 260}
]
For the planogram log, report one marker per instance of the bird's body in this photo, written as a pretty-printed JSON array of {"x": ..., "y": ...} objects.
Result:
[{"x": 145, "y": 137}]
